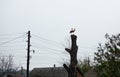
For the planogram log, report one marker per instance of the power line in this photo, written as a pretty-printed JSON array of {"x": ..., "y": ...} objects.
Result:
[
  {"x": 12, "y": 45},
  {"x": 13, "y": 56},
  {"x": 12, "y": 49},
  {"x": 43, "y": 38},
  {"x": 45, "y": 47},
  {"x": 46, "y": 43},
  {"x": 11, "y": 40},
  {"x": 11, "y": 34},
  {"x": 44, "y": 52},
  {"x": 51, "y": 41},
  {"x": 49, "y": 45},
  {"x": 46, "y": 40}
]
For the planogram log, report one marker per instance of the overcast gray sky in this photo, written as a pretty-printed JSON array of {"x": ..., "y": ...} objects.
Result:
[{"x": 52, "y": 20}]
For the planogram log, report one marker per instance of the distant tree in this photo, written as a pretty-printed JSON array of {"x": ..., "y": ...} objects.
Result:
[
  {"x": 84, "y": 65},
  {"x": 22, "y": 71},
  {"x": 7, "y": 65},
  {"x": 107, "y": 58}
]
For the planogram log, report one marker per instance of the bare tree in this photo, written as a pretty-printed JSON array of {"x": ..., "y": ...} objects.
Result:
[
  {"x": 72, "y": 72},
  {"x": 7, "y": 65}
]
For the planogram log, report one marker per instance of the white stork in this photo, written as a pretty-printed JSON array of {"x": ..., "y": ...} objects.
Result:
[{"x": 72, "y": 30}]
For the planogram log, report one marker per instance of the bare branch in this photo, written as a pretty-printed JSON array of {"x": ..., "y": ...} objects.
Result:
[{"x": 68, "y": 50}]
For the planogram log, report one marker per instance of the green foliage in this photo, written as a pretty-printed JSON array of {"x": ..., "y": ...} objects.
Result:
[
  {"x": 22, "y": 71},
  {"x": 84, "y": 65},
  {"x": 107, "y": 58}
]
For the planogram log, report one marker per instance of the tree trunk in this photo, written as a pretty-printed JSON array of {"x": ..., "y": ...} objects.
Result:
[{"x": 73, "y": 57}]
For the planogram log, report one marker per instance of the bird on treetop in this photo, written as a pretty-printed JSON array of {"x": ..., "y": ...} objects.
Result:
[{"x": 72, "y": 30}]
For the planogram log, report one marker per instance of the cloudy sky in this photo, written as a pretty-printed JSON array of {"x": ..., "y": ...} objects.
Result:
[{"x": 50, "y": 22}]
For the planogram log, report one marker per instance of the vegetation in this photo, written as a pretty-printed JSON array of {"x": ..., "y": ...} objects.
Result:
[
  {"x": 7, "y": 65},
  {"x": 84, "y": 65},
  {"x": 107, "y": 58}
]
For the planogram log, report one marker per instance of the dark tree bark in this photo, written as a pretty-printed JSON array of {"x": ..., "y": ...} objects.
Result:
[{"x": 72, "y": 72}]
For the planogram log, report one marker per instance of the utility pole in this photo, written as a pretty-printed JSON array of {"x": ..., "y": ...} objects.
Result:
[{"x": 28, "y": 54}]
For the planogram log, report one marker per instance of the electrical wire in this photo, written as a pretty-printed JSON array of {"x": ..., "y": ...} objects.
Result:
[
  {"x": 41, "y": 39},
  {"x": 11, "y": 40},
  {"x": 12, "y": 34},
  {"x": 42, "y": 43},
  {"x": 13, "y": 45},
  {"x": 44, "y": 52},
  {"x": 44, "y": 38},
  {"x": 45, "y": 47}
]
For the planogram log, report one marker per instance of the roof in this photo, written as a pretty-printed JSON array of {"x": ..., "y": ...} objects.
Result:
[
  {"x": 49, "y": 72},
  {"x": 14, "y": 75}
]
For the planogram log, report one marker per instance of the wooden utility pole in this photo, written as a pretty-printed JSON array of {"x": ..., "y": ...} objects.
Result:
[
  {"x": 28, "y": 54},
  {"x": 72, "y": 71}
]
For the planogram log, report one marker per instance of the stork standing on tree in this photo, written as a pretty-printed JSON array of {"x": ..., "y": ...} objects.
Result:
[
  {"x": 72, "y": 71},
  {"x": 72, "y": 30}
]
